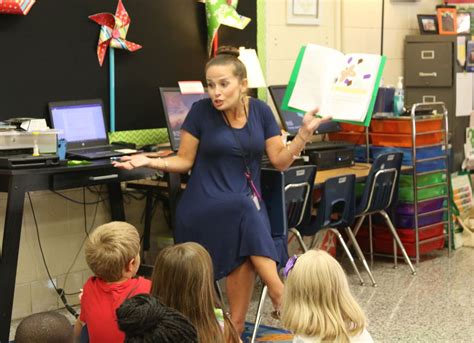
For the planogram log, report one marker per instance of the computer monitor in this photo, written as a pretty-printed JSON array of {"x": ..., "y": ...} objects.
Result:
[
  {"x": 176, "y": 107},
  {"x": 291, "y": 121}
]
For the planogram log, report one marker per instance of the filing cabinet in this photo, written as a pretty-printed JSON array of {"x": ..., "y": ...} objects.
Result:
[{"x": 430, "y": 67}]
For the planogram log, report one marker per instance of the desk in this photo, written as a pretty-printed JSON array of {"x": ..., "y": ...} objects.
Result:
[
  {"x": 361, "y": 170},
  {"x": 18, "y": 182}
]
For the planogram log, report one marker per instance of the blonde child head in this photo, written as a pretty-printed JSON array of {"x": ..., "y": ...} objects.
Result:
[
  {"x": 183, "y": 279},
  {"x": 317, "y": 300},
  {"x": 112, "y": 251}
]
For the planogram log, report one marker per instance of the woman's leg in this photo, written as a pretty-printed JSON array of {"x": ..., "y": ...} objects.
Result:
[
  {"x": 267, "y": 270},
  {"x": 239, "y": 287}
]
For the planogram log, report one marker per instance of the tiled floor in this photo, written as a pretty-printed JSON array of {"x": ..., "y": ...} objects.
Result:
[{"x": 436, "y": 305}]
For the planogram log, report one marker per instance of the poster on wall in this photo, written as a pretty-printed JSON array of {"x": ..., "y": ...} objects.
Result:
[{"x": 303, "y": 12}]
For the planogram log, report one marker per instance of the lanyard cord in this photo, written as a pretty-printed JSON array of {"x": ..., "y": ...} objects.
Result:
[{"x": 247, "y": 173}]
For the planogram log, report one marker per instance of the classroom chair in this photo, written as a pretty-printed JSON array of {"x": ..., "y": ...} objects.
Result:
[
  {"x": 336, "y": 211},
  {"x": 287, "y": 196},
  {"x": 379, "y": 194}
]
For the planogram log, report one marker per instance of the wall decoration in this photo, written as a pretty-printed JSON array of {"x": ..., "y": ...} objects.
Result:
[
  {"x": 113, "y": 32},
  {"x": 21, "y": 7},
  {"x": 463, "y": 20},
  {"x": 428, "y": 23},
  {"x": 447, "y": 20},
  {"x": 303, "y": 12},
  {"x": 222, "y": 12}
]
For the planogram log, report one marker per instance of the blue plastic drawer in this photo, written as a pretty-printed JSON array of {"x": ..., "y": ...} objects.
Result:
[
  {"x": 360, "y": 153},
  {"x": 421, "y": 153}
]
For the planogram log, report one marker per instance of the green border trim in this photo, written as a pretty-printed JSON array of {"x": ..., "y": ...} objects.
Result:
[{"x": 261, "y": 44}]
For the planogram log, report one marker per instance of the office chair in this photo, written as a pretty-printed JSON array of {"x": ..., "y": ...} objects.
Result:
[
  {"x": 287, "y": 196},
  {"x": 380, "y": 193},
  {"x": 336, "y": 211}
]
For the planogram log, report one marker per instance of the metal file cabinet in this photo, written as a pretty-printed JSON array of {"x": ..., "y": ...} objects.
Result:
[{"x": 430, "y": 67}]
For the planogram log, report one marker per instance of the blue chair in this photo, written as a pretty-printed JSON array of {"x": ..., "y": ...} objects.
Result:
[
  {"x": 380, "y": 193},
  {"x": 336, "y": 211},
  {"x": 287, "y": 196}
]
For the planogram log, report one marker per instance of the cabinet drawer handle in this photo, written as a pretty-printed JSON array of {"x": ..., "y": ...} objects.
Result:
[
  {"x": 429, "y": 98},
  {"x": 433, "y": 74},
  {"x": 427, "y": 54},
  {"x": 103, "y": 177}
]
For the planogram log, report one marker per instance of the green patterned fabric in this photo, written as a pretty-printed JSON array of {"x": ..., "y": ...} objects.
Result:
[
  {"x": 219, "y": 12},
  {"x": 141, "y": 137}
]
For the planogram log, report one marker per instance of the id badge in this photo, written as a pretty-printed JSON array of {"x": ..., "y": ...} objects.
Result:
[{"x": 256, "y": 202}]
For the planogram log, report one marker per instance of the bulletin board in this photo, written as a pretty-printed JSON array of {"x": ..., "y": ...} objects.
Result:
[{"x": 50, "y": 55}]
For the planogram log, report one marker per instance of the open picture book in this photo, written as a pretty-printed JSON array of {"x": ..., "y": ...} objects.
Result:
[{"x": 343, "y": 86}]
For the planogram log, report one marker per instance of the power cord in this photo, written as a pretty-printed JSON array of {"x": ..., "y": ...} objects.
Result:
[{"x": 60, "y": 291}]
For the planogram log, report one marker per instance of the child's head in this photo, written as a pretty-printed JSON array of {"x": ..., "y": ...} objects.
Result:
[
  {"x": 112, "y": 251},
  {"x": 144, "y": 319},
  {"x": 44, "y": 327},
  {"x": 183, "y": 279},
  {"x": 317, "y": 300}
]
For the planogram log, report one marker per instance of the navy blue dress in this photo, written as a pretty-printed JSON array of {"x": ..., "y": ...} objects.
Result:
[{"x": 216, "y": 209}]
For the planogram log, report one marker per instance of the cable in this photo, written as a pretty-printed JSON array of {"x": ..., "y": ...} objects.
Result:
[
  {"x": 60, "y": 291},
  {"x": 75, "y": 201}
]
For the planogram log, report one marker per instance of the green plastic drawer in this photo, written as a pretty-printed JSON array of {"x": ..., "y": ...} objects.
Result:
[
  {"x": 422, "y": 180},
  {"x": 407, "y": 193}
]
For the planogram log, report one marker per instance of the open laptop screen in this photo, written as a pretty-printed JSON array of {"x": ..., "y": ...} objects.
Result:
[
  {"x": 291, "y": 121},
  {"x": 176, "y": 107},
  {"x": 82, "y": 122}
]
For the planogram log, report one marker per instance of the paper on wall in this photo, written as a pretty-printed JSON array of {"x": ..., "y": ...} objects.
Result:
[{"x": 464, "y": 91}]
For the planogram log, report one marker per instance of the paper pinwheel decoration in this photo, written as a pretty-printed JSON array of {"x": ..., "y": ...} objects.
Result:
[
  {"x": 113, "y": 32},
  {"x": 222, "y": 12},
  {"x": 16, "y": 6}
]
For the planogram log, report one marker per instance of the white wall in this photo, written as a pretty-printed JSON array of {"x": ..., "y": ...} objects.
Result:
[{"x": 348, "y": 25}]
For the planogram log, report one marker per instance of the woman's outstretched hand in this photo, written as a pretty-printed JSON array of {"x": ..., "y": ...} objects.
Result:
[
  {"x": 310, "y": 123},
  {"x": 132, "y": 162}
]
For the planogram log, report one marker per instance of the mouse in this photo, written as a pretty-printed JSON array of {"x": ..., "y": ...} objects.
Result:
[{"x": 150, "y": 148}]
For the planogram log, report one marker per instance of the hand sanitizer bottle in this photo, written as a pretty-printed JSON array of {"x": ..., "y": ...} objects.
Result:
[{"x": 399, "y": 98}]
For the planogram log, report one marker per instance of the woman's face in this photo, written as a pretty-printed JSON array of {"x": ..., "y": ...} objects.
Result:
[{"x": 224, "y": 88}]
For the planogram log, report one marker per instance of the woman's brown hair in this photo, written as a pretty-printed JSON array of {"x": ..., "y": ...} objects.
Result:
[
  {"x": 228, "y": 55},
  {"x": 183, "y": 279}
]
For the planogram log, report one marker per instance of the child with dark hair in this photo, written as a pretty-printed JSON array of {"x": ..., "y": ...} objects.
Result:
[
  {"x": 44, "y": 327},
  {"x": 144, "y": 319}
]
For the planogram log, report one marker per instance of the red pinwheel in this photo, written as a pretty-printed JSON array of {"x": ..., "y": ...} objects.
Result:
[{"x": 113, "y": 31}]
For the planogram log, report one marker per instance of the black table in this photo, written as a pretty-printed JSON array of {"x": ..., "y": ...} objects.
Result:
[{"x": 18, "y": 182}]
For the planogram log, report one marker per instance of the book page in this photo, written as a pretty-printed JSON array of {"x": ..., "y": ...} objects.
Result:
[
  {"x": 315, "y": 75},
  {"x": 352, "y": 88}
]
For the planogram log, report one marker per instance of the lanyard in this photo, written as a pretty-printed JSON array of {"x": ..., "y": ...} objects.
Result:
[{"x": 247, "y": 173}]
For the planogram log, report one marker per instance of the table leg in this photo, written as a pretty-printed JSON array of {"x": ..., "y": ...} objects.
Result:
[
  {"x": 116, "y": 201},
  {"x": 9, "y": 256}
]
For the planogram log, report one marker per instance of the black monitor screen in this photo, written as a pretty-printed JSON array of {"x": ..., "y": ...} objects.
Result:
[
  {"x": 291, "y": 121},
  {"x": 176, "y": 107}
]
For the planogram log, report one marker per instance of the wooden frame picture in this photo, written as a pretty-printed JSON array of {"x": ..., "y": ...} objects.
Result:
[
  {"x": 463, "y": 20},
  {"x": 447, "y": 21},
  {"x": 428, "y": 24}
]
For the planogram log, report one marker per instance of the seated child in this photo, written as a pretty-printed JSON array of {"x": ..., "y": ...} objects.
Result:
[
  {"x": 112, "y": 253},
  {"x": 317, "y": 303},
  {"x": 183, "y": 279},
  {"x": 44, "y": 327},
  {"x": 144, "y": 319}
]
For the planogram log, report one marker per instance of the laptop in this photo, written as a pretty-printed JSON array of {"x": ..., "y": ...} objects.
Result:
[
  {"x": 82, "y": 124},
  {"x": 176, "y": 107},
  {"x": 291, "y": 121}
]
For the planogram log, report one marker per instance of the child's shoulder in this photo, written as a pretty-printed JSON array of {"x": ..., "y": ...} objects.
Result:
[{"x": 141, "y": 284}]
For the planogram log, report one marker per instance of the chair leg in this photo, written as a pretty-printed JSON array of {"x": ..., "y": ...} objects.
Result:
[
  {"x": 300, "y": 239},
  {"x": 348, "y": 253},
  {"x": 360, "y": 254},
  {"x": 358, "y": 224},
  {"x": 258, "y": 316},
  {"x": 399, "y": 242}
]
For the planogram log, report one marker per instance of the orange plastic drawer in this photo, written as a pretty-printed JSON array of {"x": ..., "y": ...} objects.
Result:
[
  {"x": 405, "y": 125},
  {"x": 346, "y": 127},
  {"x": 404, "y": 140},
  {"x": 353, "y": 137}
]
